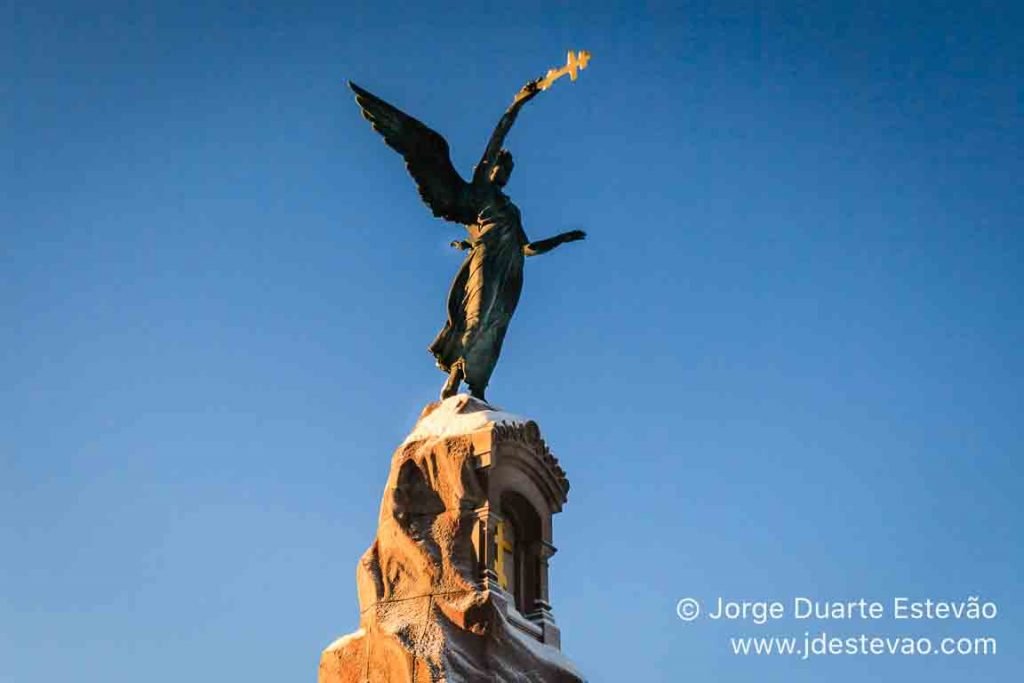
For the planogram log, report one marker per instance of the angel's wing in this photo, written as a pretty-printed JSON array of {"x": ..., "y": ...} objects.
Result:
[{"x": 426, "y": 157}]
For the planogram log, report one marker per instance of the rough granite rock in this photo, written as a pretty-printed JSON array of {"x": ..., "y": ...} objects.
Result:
[{"x": 425, "y": 613}]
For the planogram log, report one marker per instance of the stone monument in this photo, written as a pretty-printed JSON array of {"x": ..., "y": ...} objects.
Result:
[{"x": 454, "y": 587}]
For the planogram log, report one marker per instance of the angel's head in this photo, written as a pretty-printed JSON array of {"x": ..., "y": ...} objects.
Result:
[{"x": 502, "y": 169}]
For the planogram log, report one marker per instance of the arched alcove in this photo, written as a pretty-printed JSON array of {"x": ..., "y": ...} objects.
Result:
[
  {"x": 525, "y": 487},
  {"x": 519, "y": 541}
]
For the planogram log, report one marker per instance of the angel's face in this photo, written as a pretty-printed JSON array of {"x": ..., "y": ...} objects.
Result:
[{"x": 502, "y": 171}]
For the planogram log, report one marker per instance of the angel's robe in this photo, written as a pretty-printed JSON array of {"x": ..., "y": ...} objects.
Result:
[{"x": 484, "y": 295}]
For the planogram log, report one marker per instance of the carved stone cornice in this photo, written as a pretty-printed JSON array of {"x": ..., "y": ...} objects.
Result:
[{"x": 520, "y": 445}]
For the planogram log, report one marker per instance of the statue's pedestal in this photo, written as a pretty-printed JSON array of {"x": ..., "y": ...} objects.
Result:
[{"x": 454, "y": 587}]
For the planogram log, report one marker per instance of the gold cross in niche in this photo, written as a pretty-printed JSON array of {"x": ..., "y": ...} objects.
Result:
[{"x": 503, "y": 545}]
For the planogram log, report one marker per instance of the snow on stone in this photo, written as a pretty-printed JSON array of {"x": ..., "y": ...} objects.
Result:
[
  {"x": 340, "y": 642},
  {"x": 545, "y": 653},
  {"x": 461, "y": 414}
]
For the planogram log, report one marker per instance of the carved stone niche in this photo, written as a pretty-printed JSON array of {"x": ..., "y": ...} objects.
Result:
[{"x": 525, "y": 487}]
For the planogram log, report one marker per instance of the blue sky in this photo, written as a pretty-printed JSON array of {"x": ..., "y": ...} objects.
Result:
[{"x": 787, "y": 361}]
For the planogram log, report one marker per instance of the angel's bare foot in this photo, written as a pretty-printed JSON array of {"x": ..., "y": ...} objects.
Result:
[{"x": 451, "y": 387}]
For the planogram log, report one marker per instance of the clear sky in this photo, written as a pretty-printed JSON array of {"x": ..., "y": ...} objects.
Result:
[{"x": 787, "y": 361}]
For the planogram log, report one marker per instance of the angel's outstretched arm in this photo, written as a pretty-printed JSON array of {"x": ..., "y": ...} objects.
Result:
[
  {"x": 527, "y": 93},
  {"x": 542, "y": 246}
]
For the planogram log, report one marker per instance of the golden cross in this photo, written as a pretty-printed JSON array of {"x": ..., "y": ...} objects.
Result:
[
  {"x": 502, "y": 544},
  {"x": 574, "y": 63}
]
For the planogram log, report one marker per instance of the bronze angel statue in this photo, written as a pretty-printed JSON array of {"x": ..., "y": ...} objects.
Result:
[{"x": 486, "y": 289}]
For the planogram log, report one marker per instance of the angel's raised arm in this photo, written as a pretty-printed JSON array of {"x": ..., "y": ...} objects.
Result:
[{"x": 525, "y": 94}]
